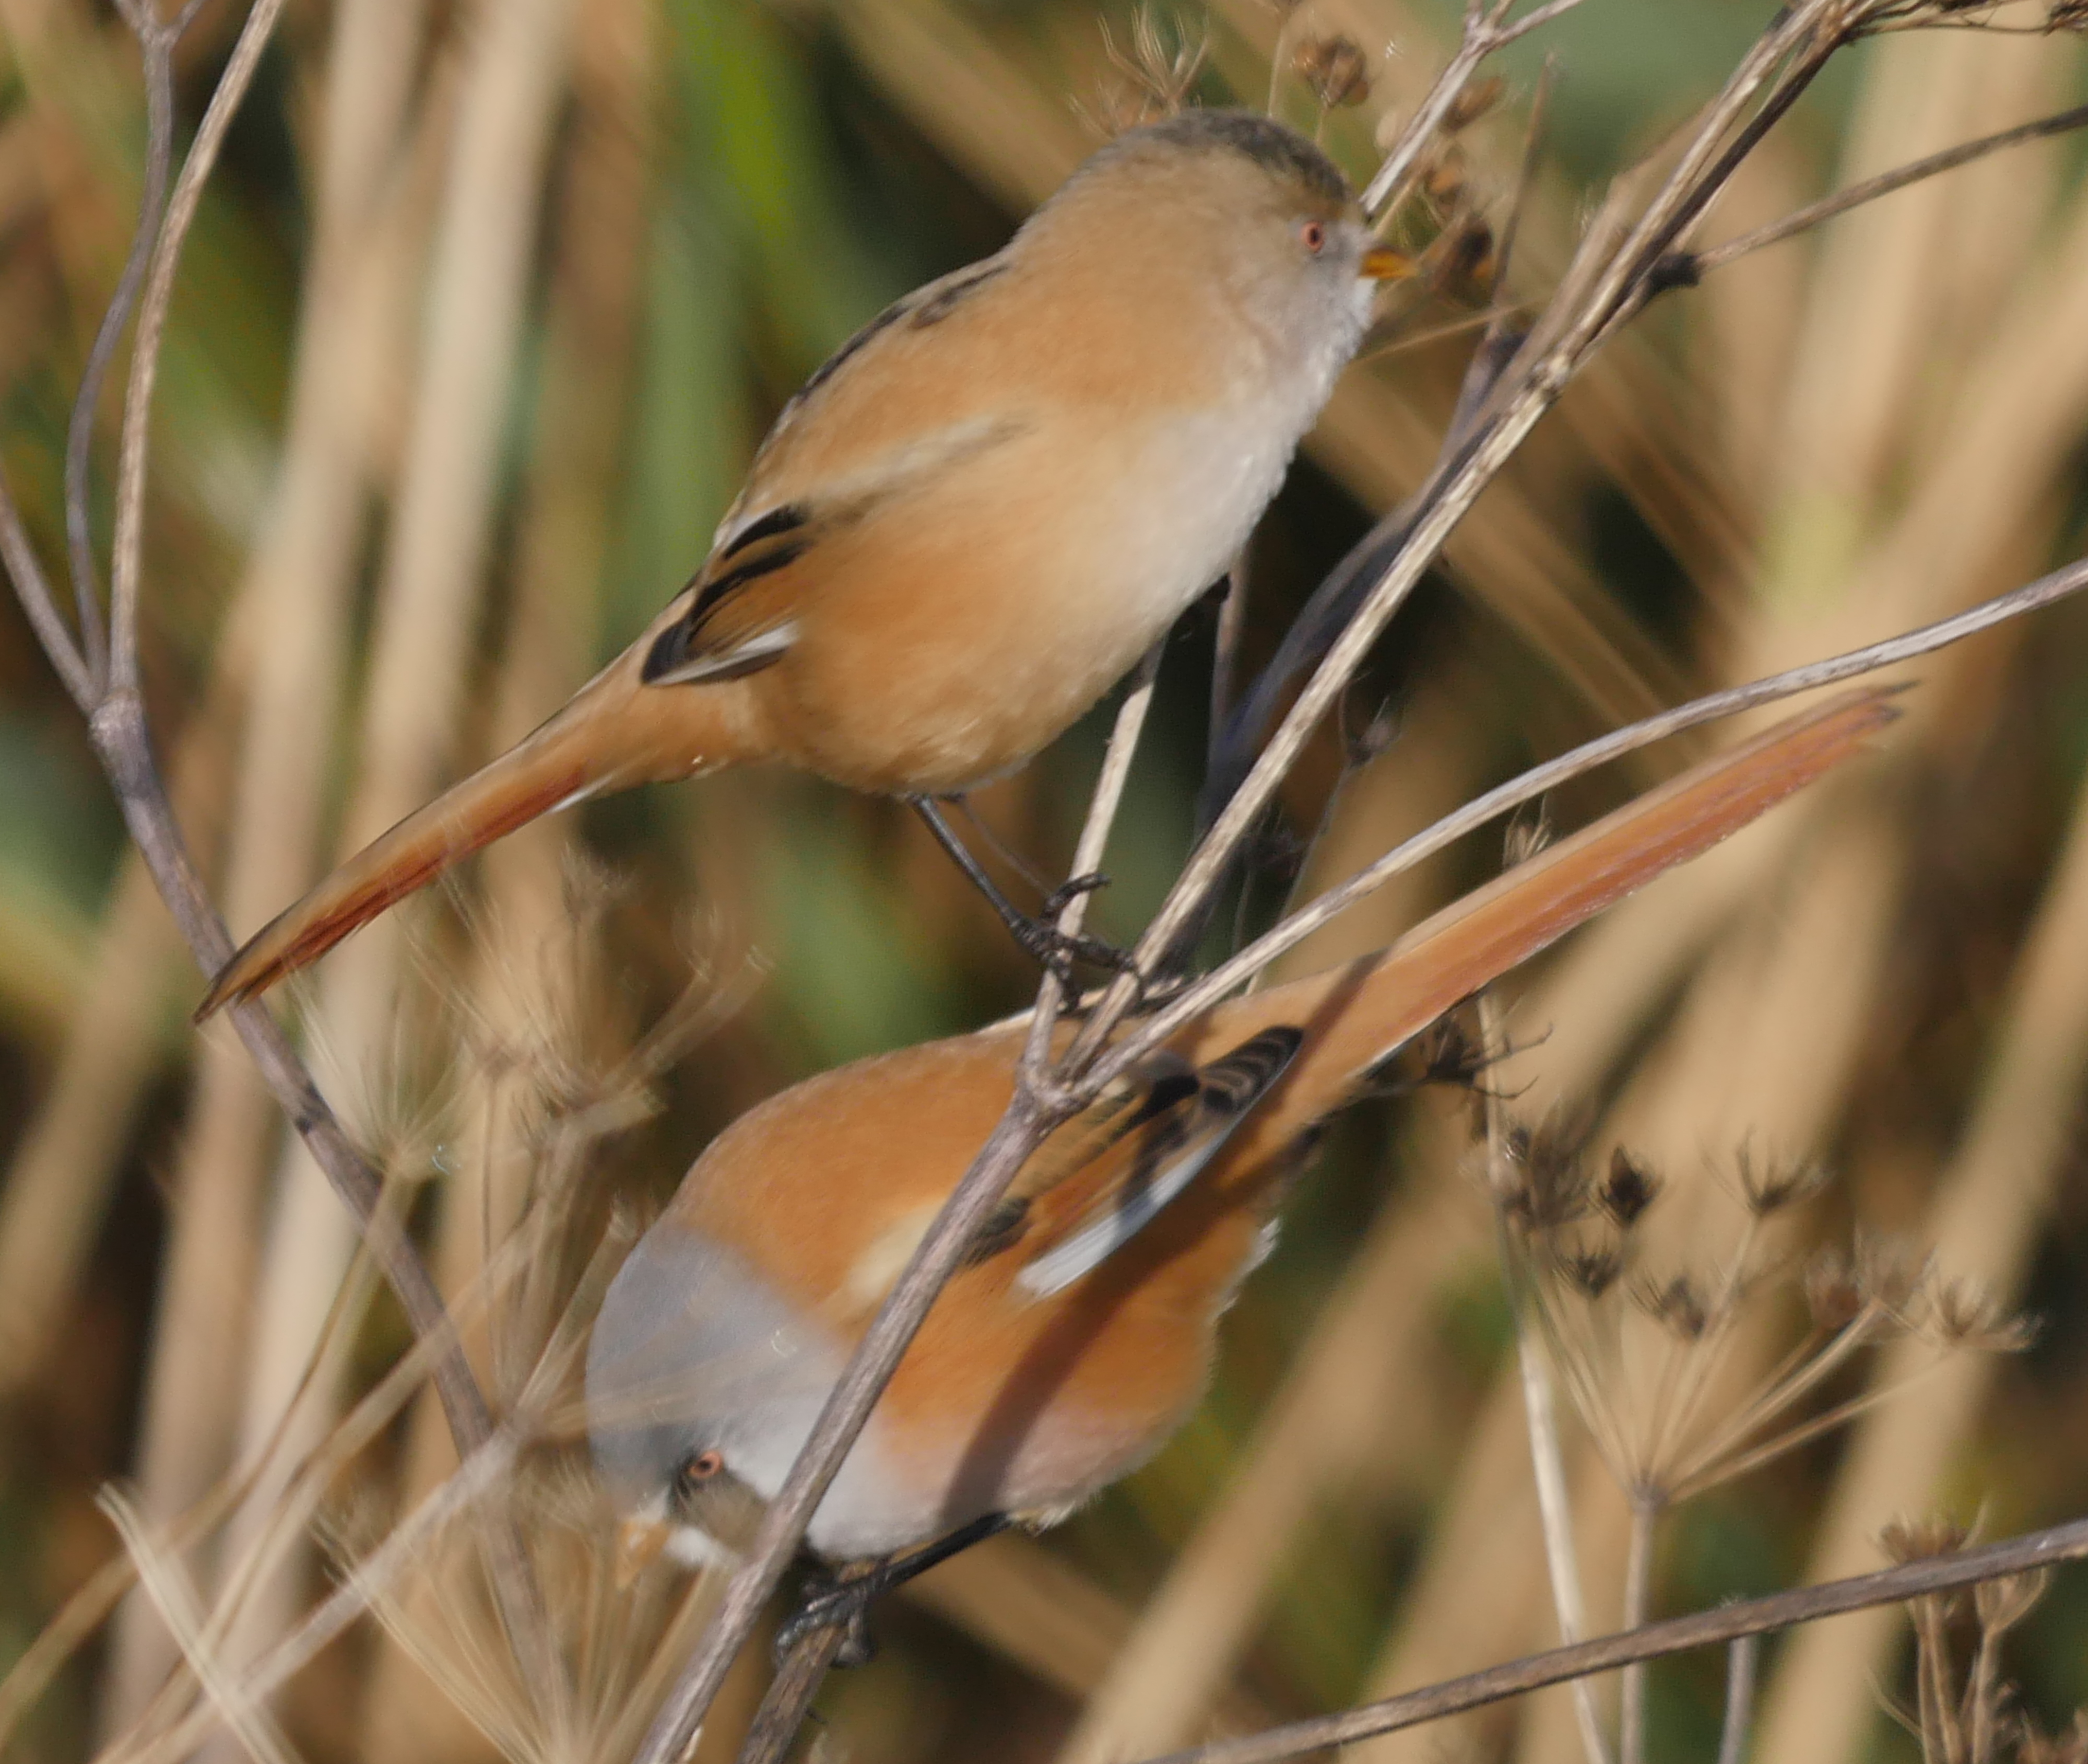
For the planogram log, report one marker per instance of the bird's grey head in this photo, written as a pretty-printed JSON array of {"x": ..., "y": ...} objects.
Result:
[
  {"x": 702, "y": 1385},
  {"x": 1258, "y": 209}
]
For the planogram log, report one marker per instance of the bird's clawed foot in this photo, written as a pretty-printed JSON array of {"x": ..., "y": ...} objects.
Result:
[
  {"x": 844, "y": 1603},
  {"x": 1044, "y": 943},
  {"x": 1039, "y": 938},
  {"x": 836, "y": 1605}
]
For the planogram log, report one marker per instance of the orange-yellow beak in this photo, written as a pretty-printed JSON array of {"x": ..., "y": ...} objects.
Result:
[
  {"x": 638, "y": 1542},
  {"x": 1381, "y": 264}
]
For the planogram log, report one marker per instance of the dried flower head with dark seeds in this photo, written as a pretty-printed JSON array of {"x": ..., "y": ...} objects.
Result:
[
  {"x": 1890, "y": 1274},
  {"x": 1473, "y": 102},
  {"x": 1675, "y": 1304},
  {"x": 1336, "y": 69},
  {"x": 1466, "y": 267},
  {"x": 1592, "y": 1270},
  {"x": 1546, "y": 1187},
  {"x": 1443, "y": 179},
  {"x": 1449, "y": 1053},
  {"x": 1769, "y": 1185},
  {"x": 1627, "y": 1190}
]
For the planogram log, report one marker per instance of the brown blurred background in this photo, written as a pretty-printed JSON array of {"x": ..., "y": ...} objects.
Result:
[{"x": 488, "y": 304}]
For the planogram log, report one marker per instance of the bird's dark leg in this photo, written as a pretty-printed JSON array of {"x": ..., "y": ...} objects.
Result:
[
  {"x": 1040, "y": 938},
  {"x": 844, "y": 1604}
]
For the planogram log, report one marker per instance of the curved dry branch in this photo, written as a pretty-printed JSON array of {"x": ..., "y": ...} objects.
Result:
[{"x": 1727, "y": 1623}]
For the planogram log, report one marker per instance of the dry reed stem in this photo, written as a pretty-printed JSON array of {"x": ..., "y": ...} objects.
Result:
[
  {"x": 1555, "y": 1509},
  {"x": 57, "y": 1182},
  {"x": 2031, "y": 1552},
  {"x": 510, "y": 84},
  {"x": 1319, "y": 1431},
  {"x": 112, "y": 705},
  {"x": 298, "y": 581},
  {"x": 1989, "y": 1206},
  {"x": 589, "y": 332},
  {"x": 1868, "y": 314},
  {"x": 1741, "y": 1659},
  {"x": 46, "y": 952},
  {"x": 1742, "y": 347}
]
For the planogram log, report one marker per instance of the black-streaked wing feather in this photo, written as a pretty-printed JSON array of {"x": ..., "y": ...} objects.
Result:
[
  {"x": 1083, "y": 1200},
  {"x": 739, "y": 616}
]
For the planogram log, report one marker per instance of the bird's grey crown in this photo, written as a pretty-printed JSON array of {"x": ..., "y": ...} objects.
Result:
[
  {"x": 691, "y": 1349},
  {"x": 1268, "y": 144}
]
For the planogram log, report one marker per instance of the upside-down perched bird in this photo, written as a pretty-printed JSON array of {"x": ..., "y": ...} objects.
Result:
[
  {"x": 972, "y": 520},
  {"x": 1079, "y": 1331}
]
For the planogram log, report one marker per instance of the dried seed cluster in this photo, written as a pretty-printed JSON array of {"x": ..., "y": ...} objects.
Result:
[{"x": 1647, "y": 1355}]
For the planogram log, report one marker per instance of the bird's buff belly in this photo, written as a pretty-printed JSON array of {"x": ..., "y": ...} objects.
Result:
[
  {"x": 931, "y": 727},
  {"x": 987, "y": 656}
]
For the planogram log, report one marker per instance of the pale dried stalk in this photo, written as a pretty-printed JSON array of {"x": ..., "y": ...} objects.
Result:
[
  {"x": 1741, "y": 1657},
  {"x": 1088, "y": 849},
  {"x": 1725, "y": 1624},
  {"x": 57, "y": 1182},
  {"x": 1638, "y": 1598},
  {"x": 117, "y": 725},
  {"x": 1026, "y": 1602},
  {"x": 1555, "y": 1507},
  {"x": 799, "y": 1675},
  {"x": 589, "y": 327},
  {"x": 1885, "y": 183},
  {"x": 298, "y": 582},
  {"x": 510, "y": 90},
  {"x": 1989, "y": 1206}
]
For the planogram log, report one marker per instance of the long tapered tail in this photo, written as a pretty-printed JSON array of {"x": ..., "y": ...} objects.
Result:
[
  {"x": 1372, "y": 1007},
  {"x": 611, "y": 735}
]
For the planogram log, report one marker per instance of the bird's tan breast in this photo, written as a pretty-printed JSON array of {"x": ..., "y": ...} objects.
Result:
[{"x": 1041, "y": 480}]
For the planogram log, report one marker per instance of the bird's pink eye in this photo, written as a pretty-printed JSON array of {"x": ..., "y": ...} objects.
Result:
[
  {"x": 1314, "y": 236},
  {"x": 703, "y": 1466}
]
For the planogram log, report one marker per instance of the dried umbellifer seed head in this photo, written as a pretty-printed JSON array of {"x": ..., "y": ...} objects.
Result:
[{"x": 1336, "y": 69}]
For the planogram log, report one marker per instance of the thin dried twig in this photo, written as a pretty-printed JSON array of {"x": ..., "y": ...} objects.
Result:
[
  {"x": 1539, "y": 780},
  {"x": 114, "y": 704},
  {"x": 1638, "y": 1592},
  {"x": 1741, "y": 1659},
  {"x": 1728, "y": 1623},
  {"x": 1871, "y": 189},
  {"x": 1554, "y": 1505}
]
